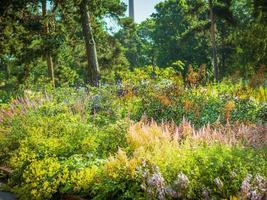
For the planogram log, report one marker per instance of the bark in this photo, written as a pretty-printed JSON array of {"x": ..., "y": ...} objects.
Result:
[
  {"x": 93, "y": 73},
  {"x": 48, "y": 57},
  {"x": 22, "y": 77},
  {"x": 26, "y": 72},
  {"x": 213, "y": 41},
  {"x": 222, "y": 70}
]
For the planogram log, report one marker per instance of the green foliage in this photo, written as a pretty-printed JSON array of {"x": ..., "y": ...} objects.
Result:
[
  {"x": 102, "y": 142},
  {"x": 169, "y": 35},
  {"x": 160, "y": 40},
  {"x": 118, "y": 179},
  {"x": 209, "y": 166},
  {"x": 74, "y": 141},
  {"x": 204, "y": 166},
  {"x": 161, "y": 95},
  {"x": 55, "y": 140}
]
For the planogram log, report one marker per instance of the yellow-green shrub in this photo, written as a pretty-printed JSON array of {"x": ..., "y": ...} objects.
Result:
[
  {"x": 118, "y": 178},
  {"x": 40, "y": 180}
]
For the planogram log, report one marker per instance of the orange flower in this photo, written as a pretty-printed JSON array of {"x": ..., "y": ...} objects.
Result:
[
  {"x": 187, "y": 105},
  {"x": 165, "y": 100},
  {"x": 228, "y": 108}
]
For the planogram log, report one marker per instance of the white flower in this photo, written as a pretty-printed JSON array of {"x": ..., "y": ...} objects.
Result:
[{"x": 218, "y": 183}]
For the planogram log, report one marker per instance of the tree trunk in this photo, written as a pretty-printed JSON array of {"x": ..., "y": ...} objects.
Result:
[
  {"x": 93, "y": 73},
  {"x": 131, "y": 9},
  {"x": 26, "y": 74},
  {"x": 23, "y": 76},
  {"x": 49, "y": 60},
  {"x": 213, "y": 41},
  {"x": 222, "y": 68}
]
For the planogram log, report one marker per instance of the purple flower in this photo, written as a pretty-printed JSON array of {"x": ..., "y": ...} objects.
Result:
[
  {"x": 154, "y": 183},
  {"x": 206, "y": 194},
  {"x": 254, "y": 189},
  {"x": 182, "y": 182}
]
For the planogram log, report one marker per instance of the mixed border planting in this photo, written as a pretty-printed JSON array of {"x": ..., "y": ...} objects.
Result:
[{"x": 149, "y": 135}]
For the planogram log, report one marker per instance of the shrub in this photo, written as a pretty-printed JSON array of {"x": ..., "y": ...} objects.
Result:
[
  {"x": 75, "y": 141},
  {"x": 118, "y": 179},
  {"x": 215, "y": 167},
  {"x": 201, "y": 106},
  {"x": 40, "y": 180}
]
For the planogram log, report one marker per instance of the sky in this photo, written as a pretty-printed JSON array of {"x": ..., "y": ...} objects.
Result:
[{"x": 143, "y": 8}]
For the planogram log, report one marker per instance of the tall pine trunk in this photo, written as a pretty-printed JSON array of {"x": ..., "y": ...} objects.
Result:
[
  {"x": 93, "y": 73},
  {"x": 213, "y": 41},
  {"x": 49, "y": 60},
  {"x": 131, "y": 9}
]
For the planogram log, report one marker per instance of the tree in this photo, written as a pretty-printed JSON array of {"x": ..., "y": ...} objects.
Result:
[
  {"x": 57, "y": 32},
  {"x": 49, "y": 60},
  {"x": 172, "y": 36},
  {"x": 147, "y": 51},
  {"x": 249, "y": 37},
  {"x": 212, "y": 16},
  {"x": 90, "y": 16},
  {"x": 213, "y": 41},
  {"x": 260, "y": 10},
  {"x": 130, "y": 40},
  {"x": 91, "y": 54}
]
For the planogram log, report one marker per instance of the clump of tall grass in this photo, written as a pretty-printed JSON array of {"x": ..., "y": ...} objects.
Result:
[{"x": 149, "y": 132}]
